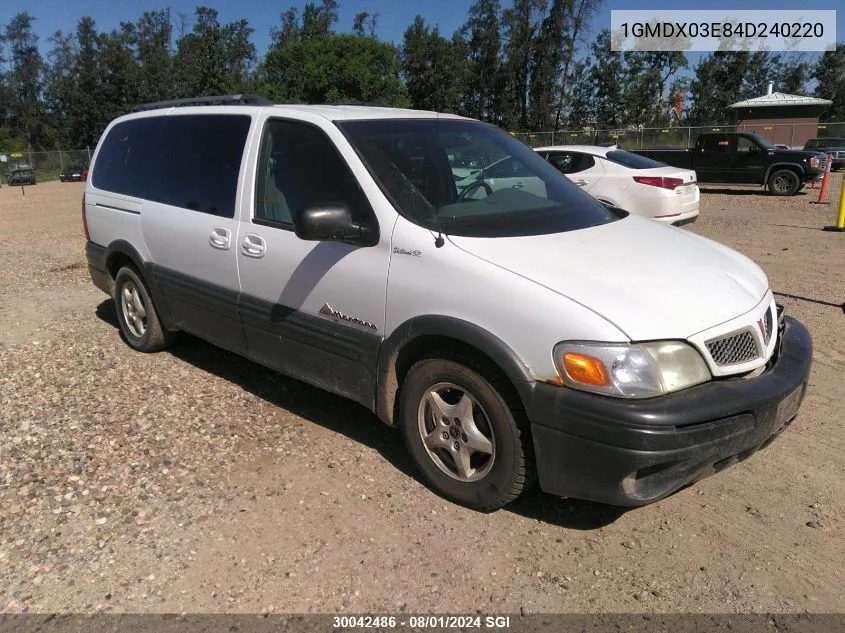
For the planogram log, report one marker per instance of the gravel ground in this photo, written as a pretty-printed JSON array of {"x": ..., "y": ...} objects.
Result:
[{"x": 192, "y": 480}]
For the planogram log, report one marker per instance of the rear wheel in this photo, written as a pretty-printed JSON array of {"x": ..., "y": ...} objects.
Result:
[
  {"x": 464, "y": 438},
  {"x": 136, "y": 314},
  {"x": 784, "y": 183}
]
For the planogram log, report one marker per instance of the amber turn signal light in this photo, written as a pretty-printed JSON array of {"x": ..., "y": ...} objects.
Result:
[{"x": 585, "y": 369}]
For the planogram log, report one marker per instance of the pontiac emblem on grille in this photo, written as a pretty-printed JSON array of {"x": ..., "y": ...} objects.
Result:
[{"x": 764, "y": 332}]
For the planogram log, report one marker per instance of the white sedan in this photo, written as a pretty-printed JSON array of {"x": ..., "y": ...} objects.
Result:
[{"x": 629, "y": 181}]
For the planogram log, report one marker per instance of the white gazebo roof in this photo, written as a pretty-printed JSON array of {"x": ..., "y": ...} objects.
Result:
[{"x": 780, "y": 99}]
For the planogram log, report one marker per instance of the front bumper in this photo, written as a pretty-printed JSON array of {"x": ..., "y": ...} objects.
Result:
[{"x": 633, "y": 452}]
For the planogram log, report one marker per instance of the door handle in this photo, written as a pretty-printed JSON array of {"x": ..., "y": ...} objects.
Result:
[
  {"x": 581, "y": 183},
  {"x": 519, "y": 185},
  {"x": 219, "y": 238},
  {"x": 253, "y": 246}
]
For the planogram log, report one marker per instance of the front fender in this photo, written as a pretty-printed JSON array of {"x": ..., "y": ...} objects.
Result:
[{"x": 387, "y": 383}]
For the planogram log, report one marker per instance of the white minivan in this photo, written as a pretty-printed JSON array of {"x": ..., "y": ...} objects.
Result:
[{"x": 513, "y": 334}]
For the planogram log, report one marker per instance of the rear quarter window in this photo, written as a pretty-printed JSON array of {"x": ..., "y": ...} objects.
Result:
[
  {"x": 125, "y": 156},
  {"x": 187, "y": 161},
  {"x": 634, "y": 161}
]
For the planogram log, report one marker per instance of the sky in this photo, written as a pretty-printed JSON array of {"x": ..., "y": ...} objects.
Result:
[{"x": 394, "y": 15}]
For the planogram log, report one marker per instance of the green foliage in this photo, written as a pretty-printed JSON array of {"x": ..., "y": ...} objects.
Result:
[
  {"x": 723, "y": 78},
  {"x": 479, "y": 43},
  {"x": 11, "y": 143},
  {"x": 213, "y": 58},
  {"x": 524, "y": 66},
  {"x": 519, "y": 25},
  {"x": 333, "y": 69},
  {"x": 607, "y": 77},
  {"x": 432, "y": 68},
  {"x": 25, "y": 110},
  {"x": 830, "y": 75},
  {"x": 152, "y": 38},
  {"x": 365, "y": 24}
]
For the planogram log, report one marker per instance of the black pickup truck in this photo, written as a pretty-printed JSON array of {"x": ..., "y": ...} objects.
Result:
[{"x": 744, "y": 159}]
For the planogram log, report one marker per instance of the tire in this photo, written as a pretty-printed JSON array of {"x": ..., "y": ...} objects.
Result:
[
  {"x": 784, "y": 182},
  {"x": 492, "y": 437},
  {"x": 136, "y": 314}
]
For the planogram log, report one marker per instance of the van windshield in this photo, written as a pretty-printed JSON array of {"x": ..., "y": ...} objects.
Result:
[{"x": 469, "y": 178}]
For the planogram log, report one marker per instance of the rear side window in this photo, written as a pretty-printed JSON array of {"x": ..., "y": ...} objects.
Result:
[
  {"x": 634, "y": 161},
  {"x": 187, "y": 161},
  {"x": 715, "y": 144},
  {"x": 571, "y": 162},
  {"x": 125, "y": 158}
]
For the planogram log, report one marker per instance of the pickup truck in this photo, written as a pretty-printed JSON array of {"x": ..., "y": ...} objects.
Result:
[
  {"x": 20, "y": 175},
  {"x": 744, "y": 159},
  {"x": 832, "y": 146}
]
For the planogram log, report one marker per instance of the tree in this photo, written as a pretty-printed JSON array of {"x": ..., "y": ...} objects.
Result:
[
  {"x": 333, "y": 69},
  {"x": 214, "y": 59},
  {"x": 830, "y": 75},
  {"x": 580, "y": 112},
  {"x": 717, "y": 84},
  {"x": 60, "y": 85},
  {"x": 25, "y": 80},
  {"x": 607, "y": 77},
  {"x": 519, "y": 27},
  {"x": 483, "y": 77},
  {"x": 723, "y": 78},
  {"x": 289, "y": 29},
  {"x": 431, "y": 68},
  {"x": 365, "y": 24},
  {"x": 118, "y": 86},
  {"x": 84, "y": 111},
  {"x": 547, "y": 56},
  {"x": 646, "y": 98},
  {"x": 577, "y": 17},
  {"x": 152, "y": 38},
  {"x": 317, "y": 19}
]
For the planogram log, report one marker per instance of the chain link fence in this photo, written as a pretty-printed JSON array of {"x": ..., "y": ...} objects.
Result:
[
  {"x": 673, "y": 137},
  {"x": 48, "y": 165}
]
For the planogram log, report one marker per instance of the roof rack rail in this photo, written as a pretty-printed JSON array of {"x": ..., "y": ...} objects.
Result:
[
  {"x": 356, "y": 103},
  {"x": 241, "y": 99}
]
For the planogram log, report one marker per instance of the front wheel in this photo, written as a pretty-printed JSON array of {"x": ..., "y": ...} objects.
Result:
[
  {"x": 464, "y": 438},
  {"x": 784, "y": 183}
]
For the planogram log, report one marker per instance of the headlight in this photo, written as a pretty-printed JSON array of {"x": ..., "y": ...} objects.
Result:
[
  {"x": 814, "y": 163},
  {"x": 640, "y": 370}
]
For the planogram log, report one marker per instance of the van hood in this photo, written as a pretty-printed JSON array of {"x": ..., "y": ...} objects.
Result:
[{"x": 650, "y": 280}]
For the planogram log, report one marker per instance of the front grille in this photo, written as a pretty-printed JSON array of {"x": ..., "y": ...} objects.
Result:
[{"x": 733, "y": 349}]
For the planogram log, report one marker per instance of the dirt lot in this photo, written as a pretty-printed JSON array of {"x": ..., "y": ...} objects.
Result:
[{"x": 192, "y": 480}]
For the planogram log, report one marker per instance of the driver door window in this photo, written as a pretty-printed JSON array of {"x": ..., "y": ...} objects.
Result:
[
  {"x": 299, "y": 167},
  {"x": 745, "y": 146}
]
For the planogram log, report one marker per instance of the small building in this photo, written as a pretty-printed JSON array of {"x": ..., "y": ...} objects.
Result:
[{"x": 779, "y": 117}]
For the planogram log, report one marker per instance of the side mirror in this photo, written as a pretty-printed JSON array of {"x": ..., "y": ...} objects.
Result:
[
  {"x": 331, "y": 222},
  {"x": 753, "y": 149}
]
